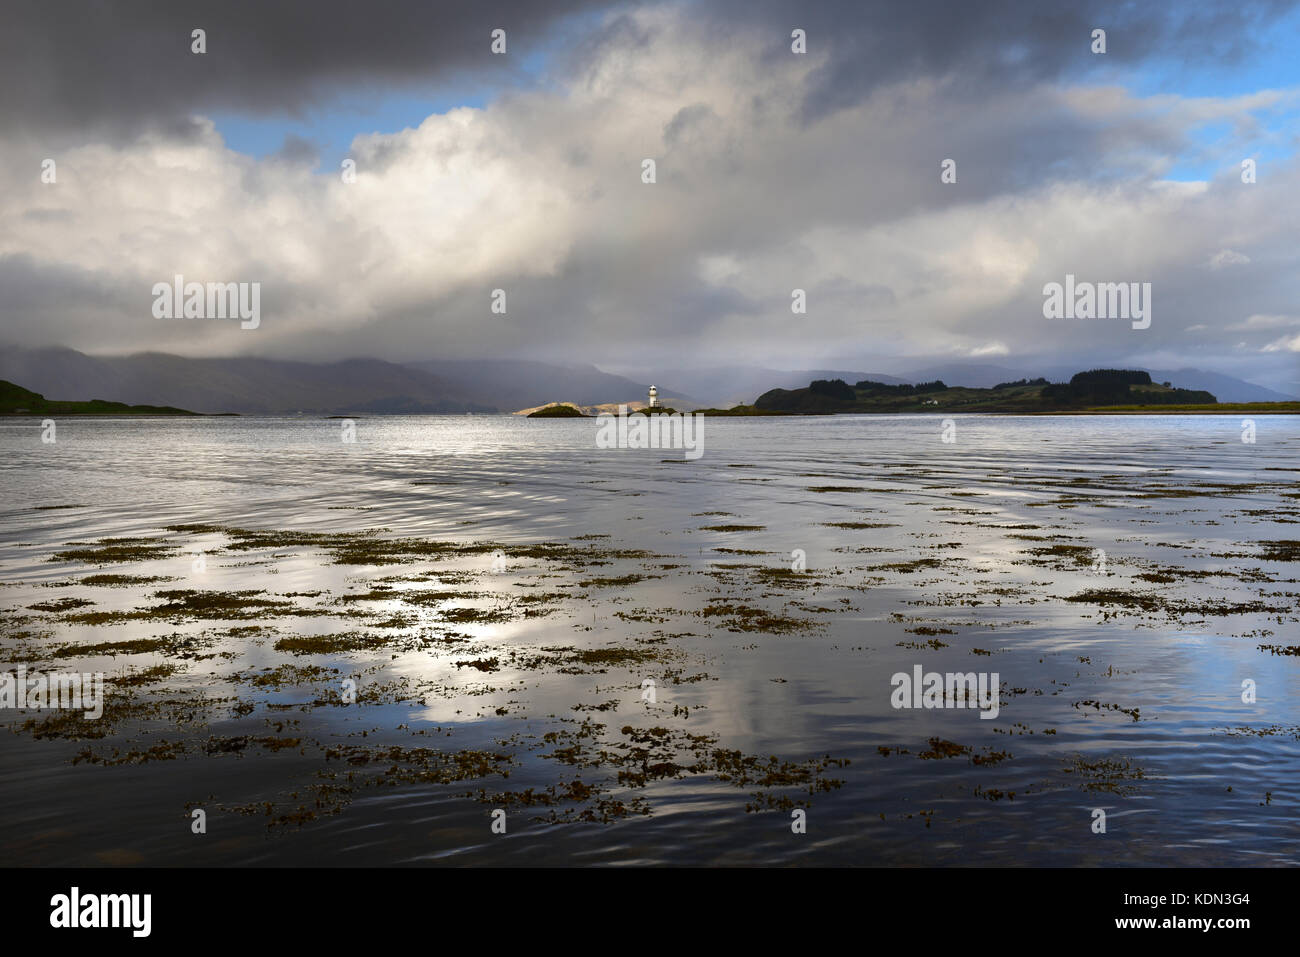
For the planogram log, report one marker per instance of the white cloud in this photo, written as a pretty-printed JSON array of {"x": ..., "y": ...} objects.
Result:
[
  {"x": 539, "y": 193},
  {"x": 1228, "y": 257},
  {"x": 1266, "y": 322},
  {"x": 1284, "y": 344}
]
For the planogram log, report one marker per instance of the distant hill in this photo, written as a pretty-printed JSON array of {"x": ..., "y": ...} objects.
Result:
[
  {"x": 728, "y": 385},
  {"x": 278, "y": 387},
  {"x": 252, "y": 386},
  {"x": 15, "y": 400},
  {"x": 1226, "y": 387},
  {"x": 1098, "y": 388},
  {"x": 1101, "y": 387},
  {"x": 984, "y": 376},
  {"x": 974, "y": 375},
  {"x": 243, "y": 385}
]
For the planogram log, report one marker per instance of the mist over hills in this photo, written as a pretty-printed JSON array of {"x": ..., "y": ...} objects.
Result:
[
  {"x": 255, "y": 386},
  {"x": 513, "y": 384},
  {"x": 277, "y": 387},
  {"x": 243, "y": 385}
]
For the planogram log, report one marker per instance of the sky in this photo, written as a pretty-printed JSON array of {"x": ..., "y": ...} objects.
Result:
[{"x": 775, "y": 170}]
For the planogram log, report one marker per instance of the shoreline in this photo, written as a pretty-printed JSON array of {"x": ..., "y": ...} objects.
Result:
[{"x": 1225, "y": 409}]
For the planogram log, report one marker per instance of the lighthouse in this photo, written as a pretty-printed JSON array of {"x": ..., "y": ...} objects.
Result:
[{"x": 654, "y": 397}]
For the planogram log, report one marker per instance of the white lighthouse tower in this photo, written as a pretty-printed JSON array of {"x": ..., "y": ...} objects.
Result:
[{"x": 654, "y": 397}]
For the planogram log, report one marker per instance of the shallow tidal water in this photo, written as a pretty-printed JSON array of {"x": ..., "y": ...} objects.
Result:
[{"x": 501, "y": 593}]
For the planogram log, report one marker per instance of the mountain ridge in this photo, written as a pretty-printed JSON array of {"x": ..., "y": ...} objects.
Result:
[{"x": 260, "y": 386}]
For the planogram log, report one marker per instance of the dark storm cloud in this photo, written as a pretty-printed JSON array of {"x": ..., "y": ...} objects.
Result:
[
  {"x": 116, "y": 67},
  {"x": 994, "y": 43},
  {"x": 775, "y": 172}
]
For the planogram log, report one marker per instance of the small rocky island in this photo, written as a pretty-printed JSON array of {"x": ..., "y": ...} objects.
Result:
[
  {"x": 558, "y": 410},
  {"x": 571, "y": 410}
]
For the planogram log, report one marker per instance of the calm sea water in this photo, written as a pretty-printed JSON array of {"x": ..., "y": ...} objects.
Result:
[{"x": 1125, "y": 678}]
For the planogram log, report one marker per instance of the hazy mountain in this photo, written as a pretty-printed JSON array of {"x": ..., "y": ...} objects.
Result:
[
  {"x": 725, "y": 386},
  {"x": 272, "y": 386},
  {"x": 1225, "y": 387},
  {"x": 517, "y": 384},
  {"x": 972, "y": 375},
  {"x": 250, "y": 386}
]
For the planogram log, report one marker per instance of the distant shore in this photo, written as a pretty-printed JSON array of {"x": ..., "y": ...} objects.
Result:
[{"x": 17, "y": 401}]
